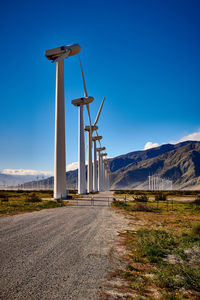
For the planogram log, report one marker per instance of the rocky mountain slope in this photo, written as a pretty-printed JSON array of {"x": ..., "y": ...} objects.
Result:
[{"x": 179, "y": 163}]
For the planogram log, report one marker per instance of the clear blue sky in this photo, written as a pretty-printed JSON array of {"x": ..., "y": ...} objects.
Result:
[{"x": 143, "y": 55}]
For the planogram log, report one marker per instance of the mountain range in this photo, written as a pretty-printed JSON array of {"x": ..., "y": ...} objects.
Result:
[{"x": 177, "y": 162}]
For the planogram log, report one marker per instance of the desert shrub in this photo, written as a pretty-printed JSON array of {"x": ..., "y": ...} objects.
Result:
[
  {"x": 73, "y": 192},
  {"x": 155, "y": 244},
  {"x": 33, "y": 198},
  {"x": 142, "y": 207},
  {"x": 119, "y": 204},
  {"x": 191, "y": 277},
  {"x": 60, "y": 201},
  {"x": 4, "y": 198},
  {"x": 196, "y": 229},
  {"x": 141, "y": 198},
  {"x": 169, "y": 296},
  {"x": 166, "y": 277},
  {"x": 197, "y": 200},
  {"x": 173, "y": 277},
  {"x": 160, "y": 197}
]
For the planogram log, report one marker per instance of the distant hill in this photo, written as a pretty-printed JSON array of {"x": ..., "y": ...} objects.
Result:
[
  {"x": 9, "y": 180},
  {"x": 179, "y": 163}
]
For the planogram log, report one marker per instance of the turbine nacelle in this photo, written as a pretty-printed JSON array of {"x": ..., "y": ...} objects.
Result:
[
  {"x": 82, "y": 101},
  {"x": 62, "y": 52},
  {"x": 101, "y": 149},
  {"x": 92, "y": 127},
  {"x": 97, "y": 138},
  {"x": 103, "y": 154}
]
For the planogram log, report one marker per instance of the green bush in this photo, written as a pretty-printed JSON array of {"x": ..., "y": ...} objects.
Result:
[
  {"x": 3, "y": 197},
  {"x": 33, "y": 198},
  {"x": 191, "y": 277},
  {"x": 155, "y": 244},
  {"x": 119, "y": 204},
  {"x": 160, "y": 197},
  {"x": 169, "y": 296},
  {"x": 197, "y": 200},
  {"x": 167, "y": 278},
  {"x": 196, "y": 229},
  {"x": 141, "y": 198},
  {"x": 142, "y": 207}
]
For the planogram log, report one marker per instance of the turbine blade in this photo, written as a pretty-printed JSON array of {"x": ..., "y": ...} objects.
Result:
[
  {"x": 88, "y": 109},
  {"x": 98, "y": 140},
  {"x": 98, "y": 115},
  {"x": 84, "y": 85}
]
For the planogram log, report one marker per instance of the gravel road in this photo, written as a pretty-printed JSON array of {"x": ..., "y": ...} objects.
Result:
[{"x": 57, "y": 253}]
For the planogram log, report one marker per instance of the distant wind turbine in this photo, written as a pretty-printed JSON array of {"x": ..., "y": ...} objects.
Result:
[
  {"x": 90, "y": 129},
  {"x": 80, "y": 102}
]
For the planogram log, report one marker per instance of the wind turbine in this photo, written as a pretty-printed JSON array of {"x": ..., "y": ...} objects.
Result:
[
  {"x": 103, "y": 170},
  {"x": 80, "y": 102},
  {"x": 106, "y": 174},
  {"x": 90, "y": 129},
  {"x": 58, "y": 55},
  {"x": 95, "y": 139},
  {"x": 100, "y": 167}
]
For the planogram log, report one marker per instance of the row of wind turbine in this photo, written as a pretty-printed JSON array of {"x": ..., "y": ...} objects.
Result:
[
  {"x": 58, "y": 55},
  {"x": 91, "y": 128}
]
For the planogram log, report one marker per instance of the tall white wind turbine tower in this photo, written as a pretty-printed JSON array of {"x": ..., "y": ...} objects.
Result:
[
  {"x": 89, "y": 172},
  {"x": 95, "y": 178},
  {"x": 80, "y": 102},
  {"x": 103, "y": 171},
  {"x": 58, "y": 55},
  {"x": 90, "y": 129},
  {"x": 106, "y": 174},
  {"x": 100, "y": 167}
]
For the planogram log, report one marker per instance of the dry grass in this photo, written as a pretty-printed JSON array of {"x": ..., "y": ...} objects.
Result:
[
  {"x": 15, "y": 202},
  {"x": 162, "y": 248}
]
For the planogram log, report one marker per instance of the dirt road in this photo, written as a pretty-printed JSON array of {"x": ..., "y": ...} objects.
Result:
[{"x": 57, "y": 253}]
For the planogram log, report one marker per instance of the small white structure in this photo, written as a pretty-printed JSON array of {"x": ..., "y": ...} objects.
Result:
[
  {"x": 58, "y": 55},
  {"x": 158, "y": 183}
]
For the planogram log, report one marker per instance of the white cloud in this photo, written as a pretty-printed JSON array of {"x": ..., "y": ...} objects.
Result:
[
  {"x": 72, "y": 166},
  {"x": 150, "y": 145},
  {"x": 195, "y": 136},
  {"x": 25, "y": 172}
]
